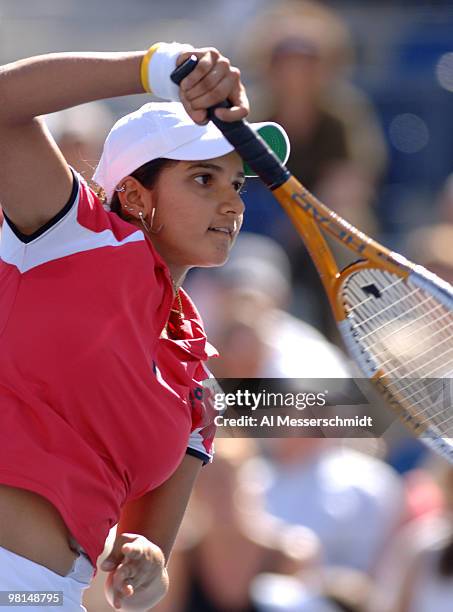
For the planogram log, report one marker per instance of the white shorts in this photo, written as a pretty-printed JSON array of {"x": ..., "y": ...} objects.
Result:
[{"x": 18, "y": 573}]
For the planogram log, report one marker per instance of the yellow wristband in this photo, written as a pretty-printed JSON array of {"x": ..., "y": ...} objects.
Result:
[{"x": 145, "y": 65}]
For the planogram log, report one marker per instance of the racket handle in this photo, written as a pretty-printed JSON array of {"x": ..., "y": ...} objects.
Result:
[{"x": 246, "y": 141}]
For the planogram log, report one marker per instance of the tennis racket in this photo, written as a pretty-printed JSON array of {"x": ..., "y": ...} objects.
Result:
[{"x": 395, "y": 317}]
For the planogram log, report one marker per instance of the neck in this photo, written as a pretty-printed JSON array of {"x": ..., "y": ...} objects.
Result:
[{"x": 178, "y": 274}]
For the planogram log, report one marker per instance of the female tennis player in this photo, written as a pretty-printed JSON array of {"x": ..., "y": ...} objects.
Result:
[{"x": 102, "y": 353}]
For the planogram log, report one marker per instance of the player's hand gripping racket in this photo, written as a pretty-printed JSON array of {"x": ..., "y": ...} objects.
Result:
[{"x": 395, "y": 317}]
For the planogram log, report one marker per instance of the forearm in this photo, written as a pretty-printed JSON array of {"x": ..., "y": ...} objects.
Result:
[
  {"x": 158, "y": 514},
  {"x": 48, "y": 83}
]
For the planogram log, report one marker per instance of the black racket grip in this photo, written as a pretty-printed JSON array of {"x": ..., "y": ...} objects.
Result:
[{"x": 250, "y": 146}]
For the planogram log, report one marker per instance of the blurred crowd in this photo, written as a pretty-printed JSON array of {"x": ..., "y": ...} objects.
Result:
[{"x": 314, "y": 524}]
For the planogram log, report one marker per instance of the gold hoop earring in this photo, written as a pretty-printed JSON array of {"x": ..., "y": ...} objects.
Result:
[
  {"x": 145, "y": 225},
  {"x": 151, "y": 229}
]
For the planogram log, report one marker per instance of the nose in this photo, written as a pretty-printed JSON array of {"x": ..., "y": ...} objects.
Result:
[{"x": 231, "y": 203}]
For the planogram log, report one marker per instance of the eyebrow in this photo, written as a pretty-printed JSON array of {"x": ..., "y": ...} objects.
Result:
[{"x": 209, "y": 166}]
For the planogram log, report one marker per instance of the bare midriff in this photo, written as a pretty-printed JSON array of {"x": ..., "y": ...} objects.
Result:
[{"x": 32, "y": 527}]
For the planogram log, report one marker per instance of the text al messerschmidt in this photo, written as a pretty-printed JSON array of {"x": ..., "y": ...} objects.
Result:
[{"x": 270, "y": 420}]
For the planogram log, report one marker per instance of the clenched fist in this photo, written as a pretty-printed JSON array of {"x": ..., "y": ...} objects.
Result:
[
  {"x": 213, "y": 80},
  {"x": 137, "y": 577}
]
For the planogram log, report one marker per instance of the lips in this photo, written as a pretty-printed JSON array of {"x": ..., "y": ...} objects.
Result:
[
  {"x": 229, "y": 229},
  {"x": 223, "y": 230}
]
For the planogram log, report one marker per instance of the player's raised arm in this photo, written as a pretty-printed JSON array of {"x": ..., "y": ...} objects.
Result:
[{"x": 35, "y": 182}]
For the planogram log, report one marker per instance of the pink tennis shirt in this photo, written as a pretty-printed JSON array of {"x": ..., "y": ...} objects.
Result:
[{"x": 96, "y": 408}]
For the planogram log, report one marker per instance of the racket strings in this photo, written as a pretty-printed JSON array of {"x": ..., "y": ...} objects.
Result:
[
  {"x": 426, "y": 411},
  {"x": 433, "y": 322},
  {"x": 434, "y": 325},
  {"x": 406, "y": 333},
  {"x": 416, "y": 305},
  {"x": 410, "y": 297},
  {"x": 383, "y": 315},
  {"x": 442, "y": 320},
  {"x": 377, "y": 317},
  {"x": 442, "y": 331},
  {"x": 421, "y": 341},
  {"x": 427, "y": 386},
  {"x": 369, "y": 298}
]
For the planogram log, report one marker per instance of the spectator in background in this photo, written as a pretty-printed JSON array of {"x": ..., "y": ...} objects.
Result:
[
  {"x": 245, "y": 310},
  {"x": 301, "y": 53},
  {"x": 417, "y": 571},
  {"x": 353, "y": 502},
  {"x": 432, "y": 247},
  {"x": 338, "y": 590},
  {"x": 80, "y": 133}
]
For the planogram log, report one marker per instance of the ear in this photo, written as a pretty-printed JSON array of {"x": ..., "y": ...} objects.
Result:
[{"x": 135, "y": 198}]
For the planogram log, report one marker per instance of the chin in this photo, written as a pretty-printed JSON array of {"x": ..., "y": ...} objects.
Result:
[
  {"x": 214, "y": 262},
  {"x": 214, "y": 259},
  {"x": 217, "y": 264}
]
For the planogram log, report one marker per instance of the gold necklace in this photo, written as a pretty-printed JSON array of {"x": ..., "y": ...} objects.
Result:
[{"x": 178, "y": 297}]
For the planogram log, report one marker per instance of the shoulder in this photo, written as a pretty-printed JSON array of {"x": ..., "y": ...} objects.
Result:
[{"x": 81, "y": 226}]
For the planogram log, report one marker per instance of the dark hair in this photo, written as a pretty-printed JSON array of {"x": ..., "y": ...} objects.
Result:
[{"x": 147, "y": 175}]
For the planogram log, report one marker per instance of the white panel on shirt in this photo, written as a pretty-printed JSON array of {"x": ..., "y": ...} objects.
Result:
[
  {"x": 64, "y": 238},
  {"x": 196, "y": 443}
]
